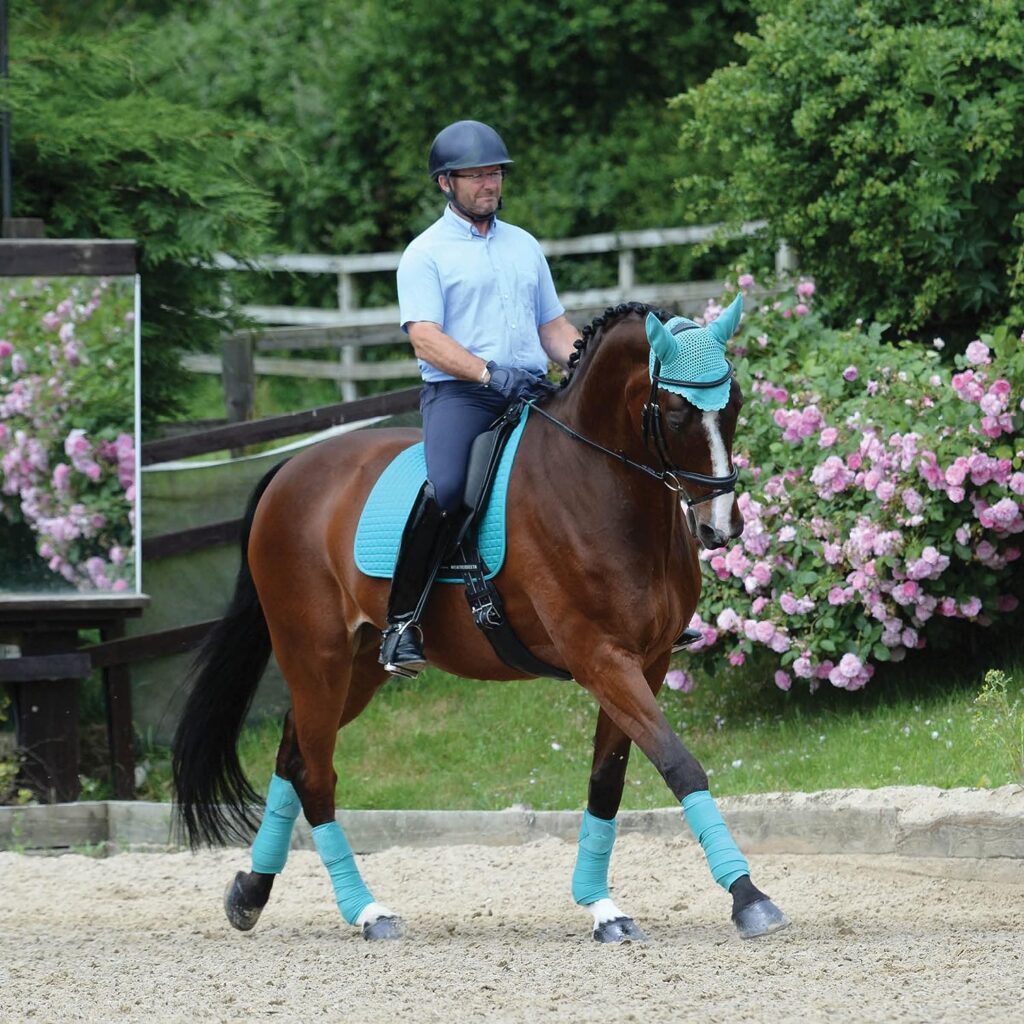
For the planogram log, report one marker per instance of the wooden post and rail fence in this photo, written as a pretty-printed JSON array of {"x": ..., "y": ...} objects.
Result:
[{"x": 349, "y": 328}]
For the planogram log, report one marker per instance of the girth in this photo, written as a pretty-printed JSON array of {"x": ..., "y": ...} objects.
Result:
[{"x": 482, "y": 595}]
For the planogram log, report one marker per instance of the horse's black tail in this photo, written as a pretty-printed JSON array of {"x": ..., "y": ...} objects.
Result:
[{"x": 213, "y": 798}]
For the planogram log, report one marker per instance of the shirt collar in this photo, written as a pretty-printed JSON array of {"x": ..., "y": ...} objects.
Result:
[{"x": 464, "y": 227}]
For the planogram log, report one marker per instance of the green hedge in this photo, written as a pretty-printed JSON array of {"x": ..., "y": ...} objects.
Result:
[{"x": 883, "y": 139}]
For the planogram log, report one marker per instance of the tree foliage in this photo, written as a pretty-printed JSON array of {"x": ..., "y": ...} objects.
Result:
[
  {"x": 883, "y": 139},
  {"x": 360, "y": 88},
  {"x": 97, "y": 154},
  {"x": 303, "y": 125}
]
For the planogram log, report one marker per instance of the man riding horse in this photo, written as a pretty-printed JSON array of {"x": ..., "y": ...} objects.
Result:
[{"x": 479, "y": 305}]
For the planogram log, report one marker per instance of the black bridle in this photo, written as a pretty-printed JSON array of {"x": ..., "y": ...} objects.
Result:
[
  {"x": 652, "y": 430},
  {"x": 673, "y": 477}
]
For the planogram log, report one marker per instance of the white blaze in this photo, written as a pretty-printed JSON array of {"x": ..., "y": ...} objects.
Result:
[{"x": 721, "y": 507}]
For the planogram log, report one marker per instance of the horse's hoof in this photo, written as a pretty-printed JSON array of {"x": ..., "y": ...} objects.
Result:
[
  {"x": 383, "y": 929},
  {"x": 759, "y": 918},
  {"x": 621, "y": 929},
  {"x": 240, "y": 915}
]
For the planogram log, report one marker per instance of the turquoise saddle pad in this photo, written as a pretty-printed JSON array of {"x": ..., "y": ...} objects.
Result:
[{"x": 391, "y": 500}]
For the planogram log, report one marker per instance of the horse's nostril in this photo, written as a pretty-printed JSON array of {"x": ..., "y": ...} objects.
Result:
[{"x": 708, "y": 536}]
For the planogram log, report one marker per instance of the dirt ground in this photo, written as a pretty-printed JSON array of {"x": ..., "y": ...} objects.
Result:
[{"x": 493, "y": 935}]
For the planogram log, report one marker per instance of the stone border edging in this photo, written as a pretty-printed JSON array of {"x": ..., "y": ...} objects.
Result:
[{"x": 909, "y": 821}]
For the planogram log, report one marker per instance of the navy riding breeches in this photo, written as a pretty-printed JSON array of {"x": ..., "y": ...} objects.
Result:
[{"x": 454, "y": 412}]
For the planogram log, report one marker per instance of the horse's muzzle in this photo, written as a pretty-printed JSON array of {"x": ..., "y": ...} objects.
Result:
[{"x": 709, "y": 536}]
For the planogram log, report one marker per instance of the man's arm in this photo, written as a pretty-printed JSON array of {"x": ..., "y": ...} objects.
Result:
[
  {"x": 431, "y": 344},
  {"x": 558, "y": 338}
]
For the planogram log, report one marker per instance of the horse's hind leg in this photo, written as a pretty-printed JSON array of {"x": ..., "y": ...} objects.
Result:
[
  {"x": 597, "y": 835},
  {"x": 248, "y": 893},
  {"x": 300, "y": 782},
  {"x": 328, "y": 691}
]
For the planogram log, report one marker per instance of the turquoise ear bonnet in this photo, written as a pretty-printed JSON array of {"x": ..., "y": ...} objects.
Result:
[{"x": 695, "y": 354}]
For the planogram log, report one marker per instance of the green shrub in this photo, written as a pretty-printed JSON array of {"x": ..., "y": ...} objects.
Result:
[
  {"x": 883, "y": 496},
  {"x": 576, "y": 88},
  {"x": 883, "y": 139}
]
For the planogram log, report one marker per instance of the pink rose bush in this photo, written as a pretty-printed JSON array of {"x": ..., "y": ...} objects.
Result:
[
  {"x": 883, "y": 497},
  {"x": 67, "y": 449}
]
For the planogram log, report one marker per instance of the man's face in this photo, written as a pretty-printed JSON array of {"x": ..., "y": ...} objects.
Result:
[{"x": 477, "y": 189}]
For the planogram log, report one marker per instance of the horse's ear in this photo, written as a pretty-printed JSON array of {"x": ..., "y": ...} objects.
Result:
[
  {"x": 660, "y": 338},
  {"x": 725, "y": 326}
]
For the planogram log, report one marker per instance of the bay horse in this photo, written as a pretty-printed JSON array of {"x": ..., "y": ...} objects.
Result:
[{"x": 619, "y": 474}]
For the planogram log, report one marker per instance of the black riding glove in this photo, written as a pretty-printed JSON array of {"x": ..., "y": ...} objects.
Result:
[{"x": 513, "y": 383}]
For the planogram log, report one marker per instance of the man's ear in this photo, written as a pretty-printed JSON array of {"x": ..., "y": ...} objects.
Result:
[{"x": 444, "y": 184}]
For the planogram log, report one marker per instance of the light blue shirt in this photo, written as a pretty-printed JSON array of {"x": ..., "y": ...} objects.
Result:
[{"x": 489, "y": 292}]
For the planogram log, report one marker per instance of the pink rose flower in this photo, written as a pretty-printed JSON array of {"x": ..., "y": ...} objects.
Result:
[
  {"x": 802, "y": 668},
  {"x": 978, "y": 353},
  {"x": 76, "y": 443},
  {"x": 61, "y": 473},
  {"x": 727, "y": 620},
  {"x": 677, "y": 679}
]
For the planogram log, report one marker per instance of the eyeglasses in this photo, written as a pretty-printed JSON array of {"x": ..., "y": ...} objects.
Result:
[{"x": 478, "y": 176}]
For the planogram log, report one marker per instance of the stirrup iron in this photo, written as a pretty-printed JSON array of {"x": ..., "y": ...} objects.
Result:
[{"x": 391, "y": 647}]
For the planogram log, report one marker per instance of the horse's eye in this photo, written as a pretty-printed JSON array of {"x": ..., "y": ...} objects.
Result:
[{"x": 676, "y": 418}]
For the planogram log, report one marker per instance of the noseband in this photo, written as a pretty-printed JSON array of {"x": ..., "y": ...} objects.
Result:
[{"x": 673, "y": 477}]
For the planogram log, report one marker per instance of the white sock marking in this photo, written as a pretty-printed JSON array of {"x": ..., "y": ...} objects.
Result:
[
  {"x": 604, "y": 911},
  {"x": 372, "y": 912}
]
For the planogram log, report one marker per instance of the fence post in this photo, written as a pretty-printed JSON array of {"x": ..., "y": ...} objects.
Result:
[
  {"x": 348, "y": 300},
  {"x": 239, "y": 377},
  {"x": 627, "y": 270},
  {"x": 785, "y": 259}
]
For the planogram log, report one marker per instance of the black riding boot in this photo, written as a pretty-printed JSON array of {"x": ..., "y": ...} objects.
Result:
[{"x": 425, "y": 540}]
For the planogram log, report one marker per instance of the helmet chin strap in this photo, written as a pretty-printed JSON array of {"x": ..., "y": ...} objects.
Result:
[{"x": 459, "y": 208}]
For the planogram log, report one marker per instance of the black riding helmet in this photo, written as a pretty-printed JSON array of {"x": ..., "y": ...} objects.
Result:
[{"x": 466, "y": 144}]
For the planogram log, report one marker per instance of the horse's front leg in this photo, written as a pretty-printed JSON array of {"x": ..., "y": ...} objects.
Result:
[
  {"x": 597, "y": 835},
  {"x": 624, "y": 693}
]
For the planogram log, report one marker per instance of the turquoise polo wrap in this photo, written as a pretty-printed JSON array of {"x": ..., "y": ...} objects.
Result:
[
  {"x": 350, "y": 892},
  {"x": 593, "y": 852},
  {"x": 724, "y": 858},
  {"x": 270, "y": 847}
]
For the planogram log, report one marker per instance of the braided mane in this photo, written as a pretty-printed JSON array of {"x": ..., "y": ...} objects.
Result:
[{"x": 603, "y": 320}]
